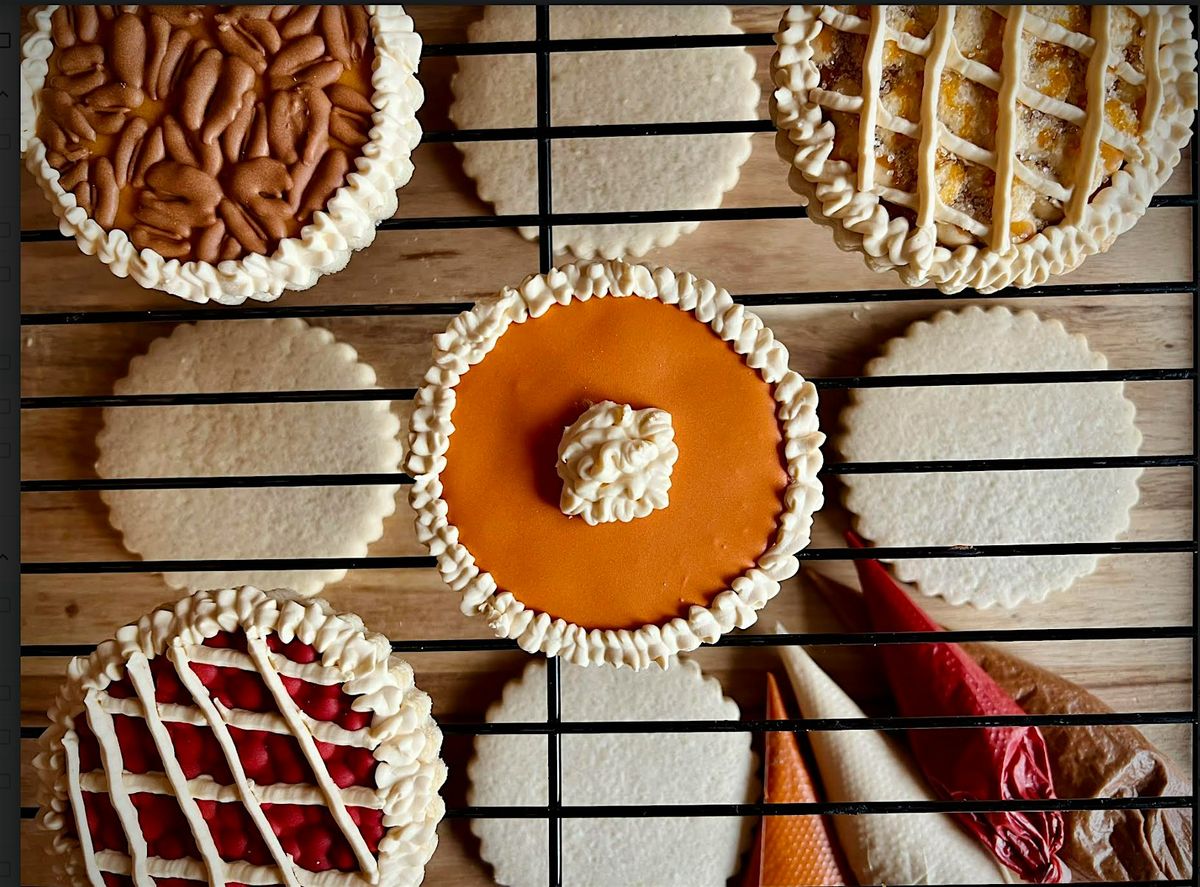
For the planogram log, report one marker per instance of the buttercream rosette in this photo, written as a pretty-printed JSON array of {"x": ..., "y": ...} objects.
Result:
[
  {"x": 615, "y": 463},
  {"x": 467, "y": 342},
  {"x": 242, "y": 736},
  {"x": 345, "y": 224}
]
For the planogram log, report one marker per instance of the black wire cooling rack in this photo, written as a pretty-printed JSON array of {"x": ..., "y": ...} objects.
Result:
[{"x": 554, "y": 812}]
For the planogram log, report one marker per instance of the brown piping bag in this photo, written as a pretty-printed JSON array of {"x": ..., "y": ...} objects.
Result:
[{"x": 1114, "y": 761}]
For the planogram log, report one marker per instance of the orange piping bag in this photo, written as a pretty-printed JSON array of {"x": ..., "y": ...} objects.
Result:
[
  {"x": 968, "y": 763},
  {"x": 791, "y": 850}
]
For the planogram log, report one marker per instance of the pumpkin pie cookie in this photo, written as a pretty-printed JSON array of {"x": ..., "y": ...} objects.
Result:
[
  {"x": 220, "y": 152},
  {"x": 241, "y": 737},
  {"x": 982, "y": 146},
  {"x": 613, "y": 463}
]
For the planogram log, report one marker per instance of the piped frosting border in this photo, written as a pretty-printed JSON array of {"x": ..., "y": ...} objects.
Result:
[
  {"x": 861, "y": 223},
  {"x": 468, "y": 340},
  {"x": 346, "y": 224},
  {"x": 402, "y": 734}
]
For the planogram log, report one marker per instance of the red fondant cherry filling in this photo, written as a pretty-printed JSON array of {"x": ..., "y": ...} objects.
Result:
[
  {"x": 308, "y": 833},
  {"x": 326, "y": 702},
  {"x": 166, "y": 829},
  {"x": 89, "y": 747},
  {"x": 246, "y": 690},
  {"x": 168, "y": 689},
  {"x": 103, "y": 823},
  {"x": 235, "y": 688},
  {"x": 312, "y": 838},
  {"x": 348, "y": 765},
  {"x": 234, "y": 833},
  {"x": 295, "y": 650},
  {"x": 122, "y": 689},
  {"x": 271, "y": 758},
  {"x": 138, "y": 753},
  {"x": 198, "y": 752},
  {"x": 228, "y": 640}
]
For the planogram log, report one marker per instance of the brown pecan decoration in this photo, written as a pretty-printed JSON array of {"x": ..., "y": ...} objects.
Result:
[{"x": 228, "y": 126}]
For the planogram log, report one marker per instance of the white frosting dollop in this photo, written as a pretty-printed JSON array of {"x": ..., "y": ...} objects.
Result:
[{"x": 615, "y": 463}]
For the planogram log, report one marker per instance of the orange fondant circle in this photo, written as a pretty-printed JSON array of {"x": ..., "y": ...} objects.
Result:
[{"x": 501, "y": 488}]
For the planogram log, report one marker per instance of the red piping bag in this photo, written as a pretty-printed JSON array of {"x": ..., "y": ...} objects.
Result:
[{"x": 970, "y": 763}]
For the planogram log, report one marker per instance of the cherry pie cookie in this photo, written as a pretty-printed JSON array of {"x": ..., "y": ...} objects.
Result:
[
  {"x": 242, "y": 737},
  {"x": 982, "y": 146}
]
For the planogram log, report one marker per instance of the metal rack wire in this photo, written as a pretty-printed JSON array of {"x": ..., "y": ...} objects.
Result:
[{"x": 554, "y": 812}]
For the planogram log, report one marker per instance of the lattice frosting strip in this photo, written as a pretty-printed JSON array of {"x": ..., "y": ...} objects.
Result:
[
  {"x": 244, "y": 720},
  {"x": 1091, "y": 221},
  {"x": 400, "y": 734}
]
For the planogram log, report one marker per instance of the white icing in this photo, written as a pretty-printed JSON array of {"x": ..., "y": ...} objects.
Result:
[
  {"x": 859, "y": 220},
  {"x": 324, "y": 246},
  {"x": 1088, "y": 162},
  {"x": 1006, "y": 128},
  {"x": 401, "y": 735},
  {"x": 308, "y": 746},
  {"x": 268, "y": 722},
  {"x": 106, "y": 737},
  {"x": 138, "y": 670},
  {"x": 205, "y": 788},
  {"x": 872, "y": 76},
  {"x": 467, "y": 341},
  {"x": 242, "y": 790},
  {"x": 615, "y": 463},
  {"x": 75, "y": 786}
]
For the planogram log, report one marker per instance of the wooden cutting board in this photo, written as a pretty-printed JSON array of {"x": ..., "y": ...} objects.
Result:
[{"x": 829, "y": 337}]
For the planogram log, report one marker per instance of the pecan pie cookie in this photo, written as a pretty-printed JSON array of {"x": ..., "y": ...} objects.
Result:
[
  {"x": 216, "y": 152},
  {"x": 982, "y": 146}
]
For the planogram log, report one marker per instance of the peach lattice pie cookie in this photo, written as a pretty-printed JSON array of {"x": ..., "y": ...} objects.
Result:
[
  {"x": 220, "y": 152},
  {"x": 982, "y": 146}
]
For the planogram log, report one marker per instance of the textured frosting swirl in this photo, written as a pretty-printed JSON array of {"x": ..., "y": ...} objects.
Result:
[{"x": 615, "y": 463}]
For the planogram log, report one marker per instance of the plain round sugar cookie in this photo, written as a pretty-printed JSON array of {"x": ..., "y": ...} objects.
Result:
[
  {"x": 1016, "y": 421},
  {"x": 247, "y": 440},
  {"x": 643, "y": 86},
  {"x": 616, "y": 768}
]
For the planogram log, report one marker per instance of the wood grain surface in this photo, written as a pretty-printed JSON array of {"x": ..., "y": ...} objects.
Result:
[{"x": 827, "y": 338}]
